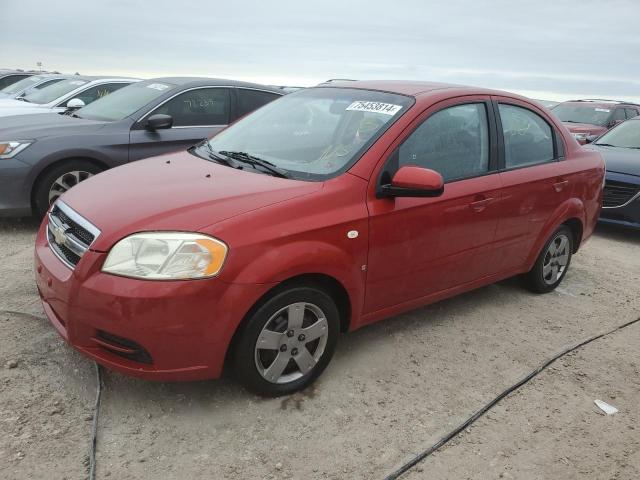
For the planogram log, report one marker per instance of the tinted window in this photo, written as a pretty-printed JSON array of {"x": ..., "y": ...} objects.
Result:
[
  {"x": 55, "y": 91},
  {"x": 527, "y": 137},
  {"x": 10, "y": 79},
  {"x": 204, "y": 106},
  {"x": 250, "y": 100},
  {"x": 631, "y": 112},
  {"x": 618, "y": 114},
  {"x": 99, "y": 91},
  {"x": 453, "y": 142},
  {"x": 22, "y": 84}
]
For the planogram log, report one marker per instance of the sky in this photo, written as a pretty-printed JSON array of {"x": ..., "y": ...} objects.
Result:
[{"x": 553, "y": 50}]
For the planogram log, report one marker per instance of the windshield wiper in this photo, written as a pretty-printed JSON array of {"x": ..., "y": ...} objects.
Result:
[
  {"x": 605, "y": 144},
  {"x": 256, "y": 161},
  {"x": 22, "y": 99},
  {"x": 215, "y": 156}
]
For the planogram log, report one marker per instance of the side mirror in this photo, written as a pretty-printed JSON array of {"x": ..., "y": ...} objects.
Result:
[
  {"x": 75, "y": 103},
  {"x": 159, "y": 121},
  {"x": 412, "y": 181}
]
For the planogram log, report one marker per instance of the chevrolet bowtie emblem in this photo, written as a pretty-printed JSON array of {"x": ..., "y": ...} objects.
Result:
[{"x": 59, "y": 235}]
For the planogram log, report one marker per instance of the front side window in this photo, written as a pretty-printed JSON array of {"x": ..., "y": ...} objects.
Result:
[
  {"x": 528, "y": 138},
  {"x": 126, "y": 101},
  {"x": 618, "y": 115},
  {"x": 314, "y": 133},
  {"x": 99, "y": 91},
  {"x": 631, "y": 112},
  {"x": 250, "y": 100},
  {"x": 55, "y": 91},
  {"x": 200, "y": 107},
  {"x": 454, "y": 142}
]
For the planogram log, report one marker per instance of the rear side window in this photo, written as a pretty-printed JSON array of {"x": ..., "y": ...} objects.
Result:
[
  {"x": 250, "y": 100},
  {"x": 454, "y": 142},
  {"x": 618, "y": 114},
  {"x": 631, "y": 112},
  {"x": 200, "y": 107},
  {"x": 528, "y": 139},
  {"x": 94, "y": 93}
]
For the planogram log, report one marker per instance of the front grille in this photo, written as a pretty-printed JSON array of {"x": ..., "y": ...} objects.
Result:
[
  {"x": 123, "y": 347},
  {"x": 69, "y": 235},
  {"x": 81, "y": 233},
  {"x": 617, "y": 194}
]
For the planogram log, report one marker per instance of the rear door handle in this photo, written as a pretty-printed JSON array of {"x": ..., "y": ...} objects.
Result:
[
  {"x": 479, "y": 205},
  {"x": 559, "y": 186}
]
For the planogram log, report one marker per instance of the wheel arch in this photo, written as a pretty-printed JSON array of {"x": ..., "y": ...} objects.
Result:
[
  {"x": 54, "y": 164},
  {"x": 327, "y": 283}
]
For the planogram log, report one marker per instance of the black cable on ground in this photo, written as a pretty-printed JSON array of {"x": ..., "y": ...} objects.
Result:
[
  {"x": 421, "y": 456},
  {"x": 94, "y": 430}
]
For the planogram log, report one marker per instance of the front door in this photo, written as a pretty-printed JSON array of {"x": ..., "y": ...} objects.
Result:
[
  {"x": 422, "y": 246},
  {"x": 197, "y": 114}
]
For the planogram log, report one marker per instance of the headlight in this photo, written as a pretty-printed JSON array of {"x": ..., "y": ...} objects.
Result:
[
  {"x": 9, "y": 149},
  {"x": 166, "y": 256}
]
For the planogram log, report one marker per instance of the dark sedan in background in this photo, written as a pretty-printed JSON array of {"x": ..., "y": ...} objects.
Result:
[
  {"x": 42, "y": 156},
  {"x": 620, "y": 148}
]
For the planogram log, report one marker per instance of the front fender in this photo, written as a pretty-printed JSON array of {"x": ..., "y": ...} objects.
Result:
[
  {"x": 275, "y": 265},
  {"x": 571, "y": 208}
]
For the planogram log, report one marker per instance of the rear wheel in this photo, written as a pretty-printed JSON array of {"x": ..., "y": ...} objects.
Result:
[
  {"x": 553, "y": 262},
  {"x": 60, "y": 179},
  {"x": 287, "y": 342}
]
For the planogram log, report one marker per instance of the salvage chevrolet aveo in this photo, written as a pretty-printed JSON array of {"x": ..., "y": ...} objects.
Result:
[{"x": 322, "y": 212}]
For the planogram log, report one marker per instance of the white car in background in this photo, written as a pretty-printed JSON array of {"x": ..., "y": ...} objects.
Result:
[
  {"x": 31, "y": 84},
  {"x": 73, "y": 93}
]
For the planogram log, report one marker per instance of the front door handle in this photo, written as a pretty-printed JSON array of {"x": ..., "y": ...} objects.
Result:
[
  {"x": 480, "y": 205},
  {"x": 559, "y": 186}
]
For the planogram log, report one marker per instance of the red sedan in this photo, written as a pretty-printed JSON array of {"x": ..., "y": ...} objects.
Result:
[{"x": 324, "y": 211}]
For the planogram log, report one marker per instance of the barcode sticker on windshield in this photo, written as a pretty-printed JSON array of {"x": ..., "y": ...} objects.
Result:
[
  {"x": 375, "y": 107},
  {"x": 602, "y": 110},
  {"x": 158, "y": 86}
]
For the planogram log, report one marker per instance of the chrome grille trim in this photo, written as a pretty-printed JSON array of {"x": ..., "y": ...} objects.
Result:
[
  {"x": 66, "y": 245},
  {"x": 624, "y": 204}
]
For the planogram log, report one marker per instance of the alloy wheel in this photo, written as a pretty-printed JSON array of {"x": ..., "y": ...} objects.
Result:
[
  {"x": 556, "y": 259},
  {"x": 65, "y": 181},
  {"x": 291, "y": 343}
]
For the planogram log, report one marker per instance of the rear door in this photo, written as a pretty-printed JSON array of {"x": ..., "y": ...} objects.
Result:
[
  {"x": 534, "y": 176},
  {"x": 197, "y": 113},
  {"x": 422, "y": 246}
]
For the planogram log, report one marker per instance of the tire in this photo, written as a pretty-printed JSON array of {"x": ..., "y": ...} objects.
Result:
[
  {"x": 286, "y": 360},
  {"x": 553, "y": 262},
  {"x": 58, "y": 180}
]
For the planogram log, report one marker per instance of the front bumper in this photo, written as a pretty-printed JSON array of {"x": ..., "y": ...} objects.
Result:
[
  {"x": 627, "y": 213},
  {"x": 159, "y": 330},
  {"x": 14, "y": 196}
]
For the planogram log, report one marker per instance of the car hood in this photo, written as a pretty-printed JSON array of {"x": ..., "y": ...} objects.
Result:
[
  {"x": 584, "y": 128},
  {"x": 620, "y": 160},
  {"x": 7, "y": 111},
  {"x": 23, "y": 127},
  {"x": 175, "y": 192},
  {"x": 13, "y": 103}
]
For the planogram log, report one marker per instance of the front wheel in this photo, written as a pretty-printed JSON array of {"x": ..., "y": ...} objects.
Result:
[
  {"x": 58, "y": 180},
  {"x": 287, "y": 342},
  {"x": 553, "y": 262}
]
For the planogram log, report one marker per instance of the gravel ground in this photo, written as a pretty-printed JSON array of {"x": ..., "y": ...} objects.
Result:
[{"x": 392, "y": 390}]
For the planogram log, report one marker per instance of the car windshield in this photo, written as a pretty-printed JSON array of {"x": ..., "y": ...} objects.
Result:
[
  {"x": 124, "y": 102},
  {"x": 55, "y": 91},
  {"x": 21, "y": 85},
  {"x": 315, "y": 133},
  {"x": 582, "y": 113},
  {"x": 625, "y": 135}
]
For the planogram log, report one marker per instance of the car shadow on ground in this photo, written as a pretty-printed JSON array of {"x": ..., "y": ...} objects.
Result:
[
  {"x": 19, "y": 225},
  {"x": 618, "y": 233}
]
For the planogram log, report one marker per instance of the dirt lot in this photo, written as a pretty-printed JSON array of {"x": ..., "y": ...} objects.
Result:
[{"x": 392, "y": 390}]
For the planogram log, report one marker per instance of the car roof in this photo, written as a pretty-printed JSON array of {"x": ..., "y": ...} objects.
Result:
[
  {"x": 414, "y": 88},
  {"x": 221, "y": 82},
  {"x": 601, "y": 102}
]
